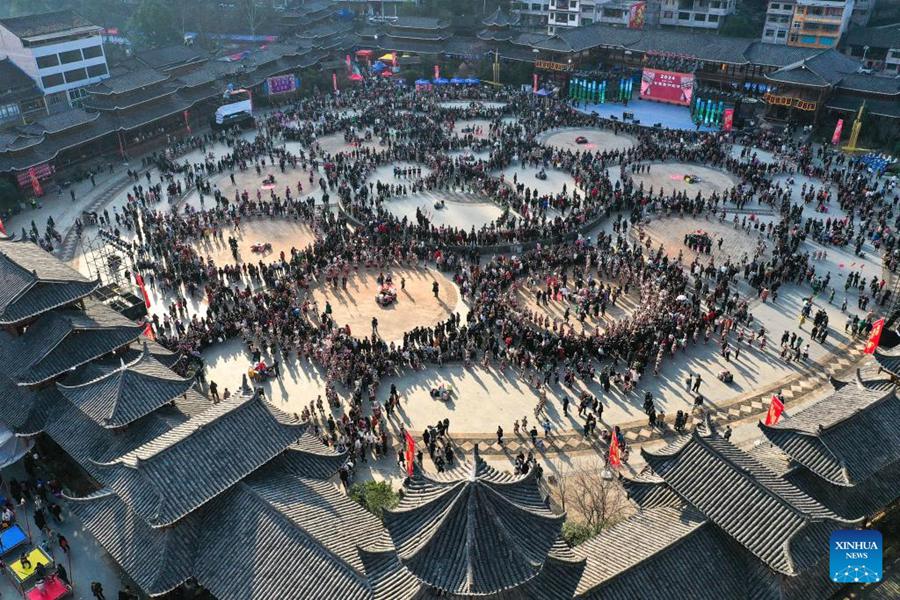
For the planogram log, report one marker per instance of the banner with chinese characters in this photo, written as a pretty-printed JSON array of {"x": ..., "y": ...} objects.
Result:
[
  {"x": 281, "y": 84},
  {"x": 667, "y": 86},
  {"x": 549, "y": 65},
  {"x": 636, "y": 15}
]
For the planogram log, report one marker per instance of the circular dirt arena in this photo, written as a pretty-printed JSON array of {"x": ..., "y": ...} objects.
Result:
[
  {"x": 670, "y": 232},
  {"x": 460, "y": 210},
  {"x": 598, "y": 140},
  {"x": 670, "y": 177},
  {"x": 415, "y": 306},
  {"x": 334, "y": 143},
  {"x": 556, "y": 310},
  {"x": 282, "y": 234}
]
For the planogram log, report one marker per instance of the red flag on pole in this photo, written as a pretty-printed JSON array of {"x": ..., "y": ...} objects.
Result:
[
  {"x": 534, "y": 87},
  {"x": 437, "y": 72},
  {"x": 148, "y": 332},
  {"x": 2, "y": 228},
  {"x": 140, "y": 281},
  {"x": 838, "y": 128},
  {"x": 615, "y": 453},
  {"x": 334, "y": 81},
  {"x": 776, "y": 407},
  {"x": 410, "y": 452},
  {"x": 874, "y": 336}
]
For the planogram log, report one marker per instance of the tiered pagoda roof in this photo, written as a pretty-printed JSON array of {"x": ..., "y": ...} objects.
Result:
[
  {"x": 114, "y": 395},
  {"x": 32, "y": 283},
  {"x": 63, "y": 340},
  {"x": 475, "y": 531}
]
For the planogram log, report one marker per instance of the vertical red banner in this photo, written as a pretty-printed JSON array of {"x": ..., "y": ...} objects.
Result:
[
  {"x": 410, "y": 452},
  {"x": 187, "y": 121},
  {"x": 437, "y": 72},
  {"x": 140, "y": 281},
  {"x": 35, "y": 182},
  {"x": 874, "y": 336},
  {"x": 836, "y": 136},
  {"x": 334, "y": 81},
  {"x": 776, "y": 407},
  {"x": 2, "y": 228},
  {"x": 728, "y": 119},
  {"x": 534, "y": 86}
]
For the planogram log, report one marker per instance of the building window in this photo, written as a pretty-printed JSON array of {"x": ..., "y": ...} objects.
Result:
[
  {"x": 775, "y": 6},
  {"x": 699, "y": 17},
  {"x": 92, "y": 52},
  {"x": 826, "y": 41},
  {"x": 9, "y": 112},
  {"x": 684, "y": 16},
  {"x": 713, "y": 18},
  {"x": 97, "y": 70},
  {"x": 782, "y": 33},
  {"x": 770, "y": 32},
  {"x": 49, "y": 81},
  {"x": 70, "y": 56},
  {"x": 75, "y": 75},
  {"x": 45, "y": 62},
  {"x": 668, "y": 14}
]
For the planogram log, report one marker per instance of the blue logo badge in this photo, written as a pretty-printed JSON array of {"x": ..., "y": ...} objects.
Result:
[{"x": 856, "y": 556}]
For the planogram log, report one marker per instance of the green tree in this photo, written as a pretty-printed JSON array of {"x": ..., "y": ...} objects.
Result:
[
  {"x": 375, "y": 496},
  {"x": 155, "y": 23}
]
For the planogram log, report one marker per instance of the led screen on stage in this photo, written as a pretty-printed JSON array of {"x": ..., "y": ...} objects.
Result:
[{"x": 667, "y": 86}]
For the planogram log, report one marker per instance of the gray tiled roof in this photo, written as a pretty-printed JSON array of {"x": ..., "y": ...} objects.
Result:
[
  {"x": 44, "y": 23},
  {"x": 501, "y": 18},
  {"x": 169, "y": 56},
  {"x": 33, "y": 282},
  {"x": 171, "y": 476},
  {"x": 885, "y": 36},
  {"x": 22, "y": 410},
  {"x": 665, "y": 553},
  {"x": 139, "y": 78},
  {"x": 771, "y": 518},
  {"x": 823, "y": 69},
  {"x": 777, "y": 55},
  {"x": 63, "y": 340},
  {"x": 410, "y": 22},
  {"x": 475, "y": 530},
  {"x": 886, "y": 108},
  {"x": 826, "y": 436},
  {"x": 56, "y": 123},
  {"x": 865, "y": 82},
  {"x": 114, "y": 395},
  {"x": 157, "y": 560},
  {"x": 648, "y": 491},
  {"x": 862, "y": 500}
]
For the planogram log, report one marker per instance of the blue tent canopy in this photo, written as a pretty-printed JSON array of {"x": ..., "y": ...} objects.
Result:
[
  {"x": 457, "y": 81},
  {"x": 423, "y": 82},
  {"x": 441, "y": 81},
  {"x": 379, "y": 66},
  {"x": 472, "y": 81}
]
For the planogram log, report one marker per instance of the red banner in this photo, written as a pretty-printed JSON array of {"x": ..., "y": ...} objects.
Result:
[
  {"x": 836, "y": 136},
  {"x": 437, "y": 72},
  {"x": 140, "y": 281},
  {"x": 534, "y": 87},
  {"x": 148, "y": 332},
  {"x": 410, "y": 452},
  {"x": 35, "y": 182},
  {"x": 728, "y": 119},
  {"x": 776, "y": 407},
  {"x": 2, "y": 228},
  {"x": 615, "y": 453},
  {"x": 187, "y": 121},
  {"x": 334, "y": 81},
  {"x": 636, "y": 15},
  {"x": 667, "y": 86},
  {"x": 874, "y": 336}
]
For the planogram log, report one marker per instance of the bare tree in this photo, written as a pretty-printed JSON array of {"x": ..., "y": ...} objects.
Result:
[
  {"x": 254, "y": 12},
  {"x": 590, "y": 496}
]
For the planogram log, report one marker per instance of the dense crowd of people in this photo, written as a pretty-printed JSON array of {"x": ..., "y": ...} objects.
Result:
[{"x": 543, "y": 249}]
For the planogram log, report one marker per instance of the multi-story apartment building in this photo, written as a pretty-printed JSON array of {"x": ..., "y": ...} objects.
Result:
[
  {"x": 568, "y": 13},
  {"x": 877, "y": 47},
  {"x": 702, "y": 14},
  {"x": 779, "y": 14},
  {"x": 819, "y": 23},
  {"x": 60, "y": 51},
  {"x": 563, "y": 14}
]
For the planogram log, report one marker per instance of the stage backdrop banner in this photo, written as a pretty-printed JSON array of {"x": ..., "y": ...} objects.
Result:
[{"x": 667, "y": 86}]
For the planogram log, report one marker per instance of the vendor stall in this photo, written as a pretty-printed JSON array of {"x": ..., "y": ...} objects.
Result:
[{"x": 12, "y": 538}]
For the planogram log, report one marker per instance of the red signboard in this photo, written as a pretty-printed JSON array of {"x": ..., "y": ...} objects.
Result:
[
  {"x": 667, "y": 86},
  {"x": 728, "y": 119}
]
